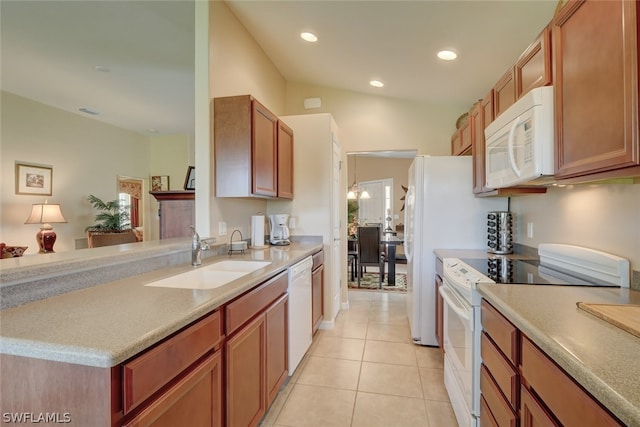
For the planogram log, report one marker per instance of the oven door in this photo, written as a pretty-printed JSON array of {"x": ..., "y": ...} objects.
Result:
[{"x": 459, "y": 321}]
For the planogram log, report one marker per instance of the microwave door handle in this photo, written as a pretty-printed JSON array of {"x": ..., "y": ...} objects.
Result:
[{"x": 510, "y": 147}]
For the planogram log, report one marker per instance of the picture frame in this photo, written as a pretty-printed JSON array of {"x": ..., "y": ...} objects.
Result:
[
  {"x": 32, "y": 179},
  {"x": 190, "y": 180},
  {"x": 160, "y": 183}
]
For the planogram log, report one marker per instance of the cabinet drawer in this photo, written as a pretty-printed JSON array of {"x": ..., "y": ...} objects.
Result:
[
  {"x": 504, "y": 374},
  {"x": 150, "y": 371},
  {"x": 501, "y": 331},
  {"x": 486, "y": 417},
  {"x": 247, "y": 306},
  {"x": 498, "y": 406},
  {"x": 195, "y": 400},
  {"x": 568, "y": 401},
  {"x": 533, "y": 413},
  {"x": 318, "y": 259}
]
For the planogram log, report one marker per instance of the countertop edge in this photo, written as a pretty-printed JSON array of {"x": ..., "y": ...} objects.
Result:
[{"x": 106, "y": 359}]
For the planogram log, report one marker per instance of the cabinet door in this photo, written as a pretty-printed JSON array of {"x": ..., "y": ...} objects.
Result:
[
  {"x": 317, "y": 292},
  {"x": 264, "y": 153},
  {"x": 596, "y": 87},
  {"x": 502, "y": 412},
  {"x": 532, "y": 412},
  {"x": 439, "y": 313},
  {"x": 465, "y": 135},
  {"x": 477, "y": 146},
  {"x": 277, "y": 320},
  {"x": 175, "y": 218},
  {"x": 245, "y": 368},
  {"x": 285, "y": 161},
  {"x": 567, "y": 400},
  {"x": 533, "y": 68},
  {"x": 456, "y": 142},
  {"x": 195, "y": 400},
  {"x": 504, "y": 93},
  {"x": 484, "y": 119}
]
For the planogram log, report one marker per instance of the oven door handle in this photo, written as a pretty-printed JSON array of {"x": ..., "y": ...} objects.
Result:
[{"x": 455, "y": 304}]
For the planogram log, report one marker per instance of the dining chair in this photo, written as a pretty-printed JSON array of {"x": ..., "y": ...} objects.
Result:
[{"x": 370, "y": 251}]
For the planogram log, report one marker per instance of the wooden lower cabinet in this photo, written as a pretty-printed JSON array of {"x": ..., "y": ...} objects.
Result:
[
  {"x": 195, "y": 400},
  {"x": 196, "y": 377},
  {"x": 245, "y": 361},
  {"x": 544, "y": 393},
  {"x": 317, "y": 291},
  {"x": 317, "y": 295},
  {"x": 277, "y": 364},
  {"x": 532, "y": 412},
  {"x": 439, "y": 314},
  {"x": 256, "y": 362},
  {"x": 569, "y": 403}
]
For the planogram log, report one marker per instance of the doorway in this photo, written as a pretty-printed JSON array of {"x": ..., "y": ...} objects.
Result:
[
  {"x": 379, "y": 205},
  {"x": 131, "y": 199}
]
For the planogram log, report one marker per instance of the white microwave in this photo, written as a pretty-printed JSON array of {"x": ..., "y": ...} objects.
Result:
[{"x": 520, "y": 142}]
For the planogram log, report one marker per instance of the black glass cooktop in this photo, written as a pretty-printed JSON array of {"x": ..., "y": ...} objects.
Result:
[{"x": 515, "y": 271}]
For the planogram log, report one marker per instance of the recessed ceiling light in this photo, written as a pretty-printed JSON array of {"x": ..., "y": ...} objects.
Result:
[
  {"x": 89, "y": 111},
  {"x": 152, "y": 130},
  {"x": 376, "y": 83},
  {"x": 310, "y": 37},
  {"x": 447, "y": 55},
  {"x": 102, "y": 68}
]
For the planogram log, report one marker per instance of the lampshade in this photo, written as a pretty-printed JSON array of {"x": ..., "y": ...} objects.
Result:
[{"x": 45, "y": 214}]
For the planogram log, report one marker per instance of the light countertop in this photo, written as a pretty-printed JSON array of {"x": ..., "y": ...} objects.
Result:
[
  {"x": 598, "y": 355},
  {"x": 107, "y": 324}
]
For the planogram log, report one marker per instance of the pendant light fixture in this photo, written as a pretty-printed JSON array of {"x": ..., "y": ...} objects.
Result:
[{"x": 354, "y": 191}]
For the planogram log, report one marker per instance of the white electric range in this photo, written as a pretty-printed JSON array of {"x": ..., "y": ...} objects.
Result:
[{"x": 558, "y": 264}]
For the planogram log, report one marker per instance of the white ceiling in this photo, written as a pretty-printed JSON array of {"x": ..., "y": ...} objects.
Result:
[{"x": 50, "y": 50}]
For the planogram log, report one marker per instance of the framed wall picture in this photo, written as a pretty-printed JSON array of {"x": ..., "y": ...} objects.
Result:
[
  {"x": 190, "y": 180},
  {"x": 160, "y": 183},
  {"x": 33, "y": 179}
]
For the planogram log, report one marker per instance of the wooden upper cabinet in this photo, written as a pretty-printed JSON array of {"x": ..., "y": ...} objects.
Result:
[
  {"x": 477, "y": 143},
  {"x": 504, "y": 92},
  {"x": 533, "y": 68},
  {"x": 264, "y": 145},
  {"x": 461, "y": 139},
  {"x": 285, "y": 161},
  {"x": 246, "y": 150},
  {"x": 596, "y": 87}
]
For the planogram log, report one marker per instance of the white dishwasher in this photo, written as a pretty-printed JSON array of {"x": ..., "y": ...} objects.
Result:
[{"x": 300, "y": 328}]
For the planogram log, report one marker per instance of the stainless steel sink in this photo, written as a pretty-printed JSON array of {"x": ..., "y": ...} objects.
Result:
[{"x": 210, "y": 276}]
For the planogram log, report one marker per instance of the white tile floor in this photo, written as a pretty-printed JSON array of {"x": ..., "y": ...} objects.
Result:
[{"x": 366, "y": 372}]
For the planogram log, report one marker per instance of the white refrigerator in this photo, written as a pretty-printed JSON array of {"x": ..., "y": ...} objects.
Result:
[{"x": 441, "y": 212}]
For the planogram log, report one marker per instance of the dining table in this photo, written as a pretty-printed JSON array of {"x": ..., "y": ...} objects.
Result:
[{"x": 391, "y": 241}]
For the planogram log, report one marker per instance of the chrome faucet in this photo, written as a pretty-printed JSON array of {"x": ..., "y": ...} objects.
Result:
[{"x": 196, "y": 248}]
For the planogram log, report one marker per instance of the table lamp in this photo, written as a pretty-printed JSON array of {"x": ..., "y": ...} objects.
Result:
[{"x": 45, "y": 214}]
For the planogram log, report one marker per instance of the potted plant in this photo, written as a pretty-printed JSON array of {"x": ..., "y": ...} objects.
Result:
[
  {"x": 113, "y": 225},
  {"x": 352, "y": 218}
]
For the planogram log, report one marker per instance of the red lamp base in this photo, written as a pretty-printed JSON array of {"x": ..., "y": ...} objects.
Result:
[{"x": 46, "y": 237}]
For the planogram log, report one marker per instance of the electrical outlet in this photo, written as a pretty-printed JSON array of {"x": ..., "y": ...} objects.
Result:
[
  {"x": 293, "y": 222},
  {"x": 222, "y": 228},
  {"x": 530, "y": 230}
]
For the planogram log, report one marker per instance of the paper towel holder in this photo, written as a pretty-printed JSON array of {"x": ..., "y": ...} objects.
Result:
[{"x": 257, "y": 228}]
